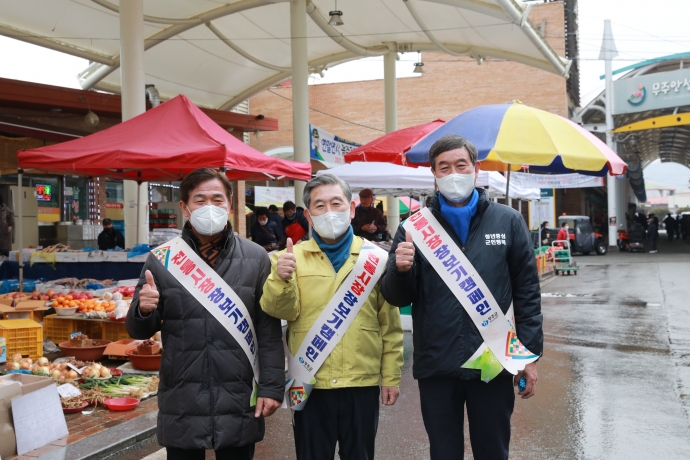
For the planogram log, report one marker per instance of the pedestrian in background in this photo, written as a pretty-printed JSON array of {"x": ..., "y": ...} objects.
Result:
[
  {"x": 274, "y": 216},
  {"x": 264, "y": 231},
  {"x": 369, "y": 222},
  {"x": 670, "y": 224},
  {"x": 6, "y": 225},
  {"x": 678, "y": 225},
  {"x": 110, "y": 238},
  {"x": 295, "y": 225},
  {"x": 652, "y": 233}
]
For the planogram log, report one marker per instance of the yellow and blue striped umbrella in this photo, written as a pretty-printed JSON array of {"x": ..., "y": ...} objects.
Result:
[{"x": 516, "y": 135}]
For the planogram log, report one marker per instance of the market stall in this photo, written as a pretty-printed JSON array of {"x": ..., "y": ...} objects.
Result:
[{"x": 162, "y": 144}]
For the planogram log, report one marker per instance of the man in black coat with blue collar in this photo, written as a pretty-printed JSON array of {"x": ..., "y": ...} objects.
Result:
[{"x": 495, "y": 240}]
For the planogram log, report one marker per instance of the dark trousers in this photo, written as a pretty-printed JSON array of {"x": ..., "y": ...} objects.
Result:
[
  {"x": 669, "y": 233},
  {"x": 348, "y": 416},
  {"x": 489, "y": 407},
  {"x": 229, "y": 453},
  {"x": 652, "y": 244}
]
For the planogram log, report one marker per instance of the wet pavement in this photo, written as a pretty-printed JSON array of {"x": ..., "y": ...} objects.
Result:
[{"x": 614, "y": 382}]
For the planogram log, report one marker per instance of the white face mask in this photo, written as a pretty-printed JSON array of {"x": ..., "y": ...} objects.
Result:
[
  {"x": 263, "y": 222},
  {"x": 331, "y": 225},
  {"x": 209, "y": 219},
  {"x": 456, "y": 188}
]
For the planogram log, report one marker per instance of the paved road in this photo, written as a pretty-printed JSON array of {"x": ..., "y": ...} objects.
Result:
[{"x": 614, "y": 380}]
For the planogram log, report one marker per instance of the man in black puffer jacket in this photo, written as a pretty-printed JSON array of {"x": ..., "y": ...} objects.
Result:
[
  {"x": 496, "y": 241},
  {"x": 206, "y": 378}
]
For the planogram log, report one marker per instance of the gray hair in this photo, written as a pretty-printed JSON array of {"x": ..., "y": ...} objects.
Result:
[
  {"x": 452, "y": 142},
  {"x": 325, "y": 179}
]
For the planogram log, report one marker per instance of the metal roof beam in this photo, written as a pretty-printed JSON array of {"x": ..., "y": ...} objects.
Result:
[
  {"x": 88, "y": 80},
  {"x": 241, "y": 52},
  {"x": 339, "y": 38},
  {"x": 420, "y": 22},
  {"x": 52, "y": 44}
]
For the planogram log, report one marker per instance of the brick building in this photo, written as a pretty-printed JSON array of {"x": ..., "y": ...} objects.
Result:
[{"x": 449, "y": 86}]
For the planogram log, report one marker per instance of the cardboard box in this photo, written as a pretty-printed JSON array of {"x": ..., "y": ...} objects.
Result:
[
  {"x": 70, "y": 257},
  {"x": 116, "y": 350},
  {"x": 38, "y": 419},
  {"x": 26, "y": 309},
  {"x": 27, "y": 384}
]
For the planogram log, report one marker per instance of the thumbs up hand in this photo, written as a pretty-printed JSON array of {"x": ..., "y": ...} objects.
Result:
[
  {"x": 286, "y": 262},
  {"x": 148, "y": 295},
  {"x": 404, "y": 254}
]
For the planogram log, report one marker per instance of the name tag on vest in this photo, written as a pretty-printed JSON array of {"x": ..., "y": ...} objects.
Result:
[
  {"x": 332, "y": 324},
  {"x": 501, "y": 348},
  {"x": 214, "y": 294}
]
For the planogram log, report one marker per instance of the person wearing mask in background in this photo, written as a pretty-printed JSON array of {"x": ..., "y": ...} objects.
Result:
[
  {"x": 670, "y": 224},
  {"x": 563, "y": 232},
  {"x": 274, "y": 216},
  {"x": 465, "y": 264},
  {"x": 341, "y": 331},
  {"x": 110, "y": 238},
  {"x": 204, "y": 298},
  {"x": 295, "y": 225},
  {"x": 264, "y": 231},
  {"x": 652, "y": 233},
  {"x": 6, "y": 225},
  {"x": 368, "y": 221}
]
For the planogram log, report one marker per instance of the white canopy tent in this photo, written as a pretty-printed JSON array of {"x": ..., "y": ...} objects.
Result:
[
  {"x": 221, "y": 53},
  {"x": 396, "y": 180}
]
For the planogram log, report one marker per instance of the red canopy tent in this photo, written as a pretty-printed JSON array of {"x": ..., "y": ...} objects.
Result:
[
  {"x": 163, "y": 144},
  {"x": 391, "y": 147}
]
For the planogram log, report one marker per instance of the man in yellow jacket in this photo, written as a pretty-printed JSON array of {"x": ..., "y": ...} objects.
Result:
[{"x": 343, "y": 405}]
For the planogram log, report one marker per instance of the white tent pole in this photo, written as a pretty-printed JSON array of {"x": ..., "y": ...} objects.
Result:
[
  {"x": 19, "y": 219},
  {"x": 607, "y": 53},
  {"x": 133, "y": 104},
  {"x": 390, "y": 91},
  {"x": 300, "y": 88}
]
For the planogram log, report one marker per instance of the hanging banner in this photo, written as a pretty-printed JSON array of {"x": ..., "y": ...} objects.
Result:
[
  {"x": 328, "y": 147},
  {"x": 527, "y": 180},
  {"x": 266, "y": 196},
  {"x": 543, "y": 210}
]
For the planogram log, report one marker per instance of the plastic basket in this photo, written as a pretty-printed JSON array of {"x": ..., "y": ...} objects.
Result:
[
  {"x": 58, "y": 330},
  {"x": 23, "y": 336},
  {"x": 114, "y": 331}
]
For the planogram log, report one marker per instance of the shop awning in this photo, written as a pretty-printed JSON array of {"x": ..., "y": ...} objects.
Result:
[{"x": 163, "y": 144}]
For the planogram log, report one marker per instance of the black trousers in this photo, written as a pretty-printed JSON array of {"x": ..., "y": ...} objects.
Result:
[
  {"x": 489, "y": 407},
  {"x": 348, "y": 416},
  {"x": 229, "y": 453}
]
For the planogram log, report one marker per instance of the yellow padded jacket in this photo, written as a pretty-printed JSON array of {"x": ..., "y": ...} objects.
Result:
[{"x": 371, "y": 351}]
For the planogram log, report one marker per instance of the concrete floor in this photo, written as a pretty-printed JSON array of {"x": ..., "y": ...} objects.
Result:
[{"x": 614, "y": 380}]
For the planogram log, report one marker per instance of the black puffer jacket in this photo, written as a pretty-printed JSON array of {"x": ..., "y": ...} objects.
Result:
[
  {"x": 206, "y": 379},
  {"x": 444, "y": 335}
]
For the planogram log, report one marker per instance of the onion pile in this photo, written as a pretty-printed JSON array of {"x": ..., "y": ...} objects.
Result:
[
  {"x": 18, "y": 363},
  {"x": 96, "y": 371}
]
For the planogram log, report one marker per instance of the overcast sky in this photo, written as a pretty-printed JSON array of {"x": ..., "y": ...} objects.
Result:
[{"x": 643, "y": 29}]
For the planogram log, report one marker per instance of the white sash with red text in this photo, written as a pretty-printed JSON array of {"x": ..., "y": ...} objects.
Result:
[
  {"x": 501, "y": 348},
  {"x": 332, "y": 323},
  {"x": 214, "y": 294}
]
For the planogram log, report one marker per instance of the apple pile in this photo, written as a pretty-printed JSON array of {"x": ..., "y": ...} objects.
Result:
[{"x": 48, "y": 295}]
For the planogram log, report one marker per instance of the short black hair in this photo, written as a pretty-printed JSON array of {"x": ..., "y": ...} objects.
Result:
[
  {"x": 564, "y": 224},
  {"x": 273, "y": 208},
  {"x": 199, "y": 176},
  {"x": 107, "y": 221},
  {"x": 261, "y": 211},
  {"x": 289, "y": 205},
  {"x": 452, "y": 142}
]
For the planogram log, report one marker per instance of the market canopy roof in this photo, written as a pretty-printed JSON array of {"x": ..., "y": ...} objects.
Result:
[
  {"x": 221, "y": 54},
  {"x": 164, "y": 143}
]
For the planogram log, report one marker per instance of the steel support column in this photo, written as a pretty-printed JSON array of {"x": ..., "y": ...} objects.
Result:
[
  {"x": 608, "y": 52},
  {"x": 300, "y": 88},
  {"x": 133, "y": 103},
  {"x": 391, "y": 116}
]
